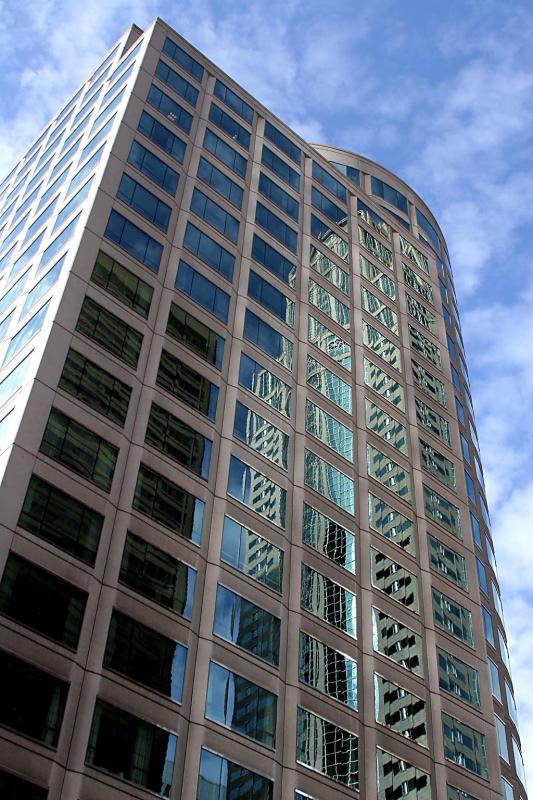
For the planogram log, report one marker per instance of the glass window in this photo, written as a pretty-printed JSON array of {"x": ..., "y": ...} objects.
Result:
[
  {"x": 329, "y": 342},
  {"x": 179, "y": 441},
  {"x": 470, "y": 487},
  {"x": 328, "y": 430},
  {"x": 265, "y": 385},
  {"x": 270, "y": 298},
  {"x": 157, "y": 575},
  {"x": 42, "y": 287},
  {"x": 329, "y": 538},
  {"x": 283, "y": 142},
  {"x": 410, "y": 251},
  {"x": 377, "y": 277},
  {"x": 390, "y": 194},
  {"x": 246, "y": 625},
  {"x": 393, "y": 579},
  {"x": 329, "y": 270},
  {"x": 145, "y": 656},
  {"x": 507, "y": 790},
  {"x": 153, "y": 167},
  {"x": 33, "y": 701},
  {"x": 378, "y": 309},
  {"x": 351, "y": 173},
  {"x": 396, "y": 641},
  {"x": 242, "y": 706},
  {"x": 327, "y": 180},
  {"x": 220, "y": 182},
  {"x": 280, "y": 168},
  {"x": 374, "y": 220},
  {"x": 399, "y": 710},
  {"x": 388, "y": 522},
  {"x": 326, "y": 748},
  {"x": 114, "y": 747},
  {"x": 465, "y": 746},
  {"x": 144, "y": 202},
  {"x": 134, "y": 240},
  {"x": 329, "y": 482},
  {"x": 230, "y": 781},
  {"x": 230, "y": 157},
  {"x": 11, "y": 295},
  {"x": 487, "y": 626},
  {"x": 187, "y": 385},
  {"x": 14, "y": 380},
  {"x": 175, "y": 82},
  {"x": 252, "y": 554},
  {"x": 282, "y": 199},
  {"x": 436, "y": 424},
  {"x": 203, "y": 291},
  {"x": 482, "y": 576},
  {"x": 329, "y": 208},
  {"x": 501, "y": 738},
  {"x": 437, "y": 464},
  {"x": 329, "y": 384},
  {"x": 327, "y": 670},
  {"x": 169, "y": 108},
  {"x": 385, "y": 426},
  {"x": 329, "y": 238},
  {"x": 383, "y": 384},
  {"x": 511, "y": 705},
  {"x": 382, "y": 346},
  {"x": 39, "y": 600},
  {"x": 419, "y": 285},
  {"x": 183, "y": 59},
  {"x": 21, "y": 338},
  {"x": 440, "y": 510},
  {"x": 422, "y": 315},
  {"x": 79, "y": 449},
  {"x": 94, "y": 386},
  {"x": 110, "y": 332},
  {"x": 428, "y": 228},
  {"x": 388, "y": 473},
  {"x": 329, "y": 601},
  {"x": 267, "y": 339},
  {"x": 460, "y": 411},
  {"x": 215, "y": 215},
  {"x": 233, "y": 101},
  {"x": 81, "y": 174},
  {"x": 277, "y": 264},
  {"x": 398, "y": 778},
  {"x": 58, "y": 518},
  {"x": 259, "y": 434},
  {"x": 169, "y": 504},
  {"x": 329, "y": 304},
  {"x": 494, "y": 677},
  {"x": 256, "y": 491},
  {"x": 122, "y": 284},
  {"x": 429, "y": 384},
  {"x": 518, "y": 761},
  {"x": 43, "y": 218},
  {"x": 207, "y": 250},
  {"x": 230, "y": 127},
  {"x": 447, "y": 562},
  {"x": 452, "y": 617},
  {"x": 162, "y": 137},
  {"x": 195, "y": 336},
  {"x": 286, "y": 235},
  {"x": 458, "y": 678},
  {"x": 102, "y": 133},
  {"x": 14, "y": 788}
]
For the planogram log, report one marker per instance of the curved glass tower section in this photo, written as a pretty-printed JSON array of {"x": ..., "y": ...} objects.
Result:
[{"x": 245, "y": 546}]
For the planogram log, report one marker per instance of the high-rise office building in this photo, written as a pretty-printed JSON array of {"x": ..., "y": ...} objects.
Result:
[{"x": 245, "y": 544}]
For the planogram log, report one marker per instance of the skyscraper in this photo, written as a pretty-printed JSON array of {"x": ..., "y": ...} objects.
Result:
[{"x": 245, "y": 542}]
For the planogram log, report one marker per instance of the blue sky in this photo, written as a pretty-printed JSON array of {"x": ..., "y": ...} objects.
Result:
[{"x": 442, "y": 94}]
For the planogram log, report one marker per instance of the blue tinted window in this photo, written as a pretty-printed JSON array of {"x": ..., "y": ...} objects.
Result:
[
  {"x": 221, "y": 184},
  {"x": 327, "y": 180},
  {"x": 220, "y": 779},
  {"x": 59, "y": 242},
  {"x": 69, "y": 105},
  {"x": 275, "y": 226},
  {"x": 226, "y": 123},
  {"x": 97, "y": 138},
  {"x": 152, "y": 166},
  {"x": 246, "y": 625},
  {"x": 13, "y": 293},
  {"x": 170, "y": 109},
  {"x": 23, "y": 336},
  {"x": 476, "y": 533},
  {"x": 426, "y": 226},
  {"x": 107, "y": 110},
  {"x": 233, "y": 101},
  {"x": 144, "y": 202},
  {"x": 79, "y": 177},
  {"x": 119, "y": 82},
  {"x": 460, "y": 411},
  {"x": 277, "y": 264},
  {"x": 4, "y": 325},
  {"x": 41, "y": 288},
  {"x": 447, "y": 317},
  {"x": 63, "y": 161},
  {"x": 161, "y": 136},
  {"x": 257, "y": 491},
  {"x": 329, "y": 208},
  {"x": 388, "y": 193},
  {"x": 271, "y": 298},
  {"x": 27, "y": 203},
  {"x": 470, "y": 487},
  {"x": 455, "y": 378},
  {"x": 452, "y": 349},
  {"x": 41, "y": 220},
  {"x": 278, "y": 196},
  {"x": 176, "y": 83},
  {"x": 482, "y": 577},
  {"x": 230, "y": 157},
  {"x": 23, "y": 260},
  {"x": 464, "y": 447},
  {"x": 283, "y": 142},
  {"x": 134, "y": 240},
  {"x": 14, "y": 232},
  {"x": 6, "y": 259},
  {"x": 12, "y": 382},
  {"x": 187, "y": 62},
  {"x": 55, "y": 187},
  {"x": 209, "y": 251},
  {"x": 67, "y": 210},
  {"x": 282, "y": 169},
  {"x": 268, "y": 339},
  {"x": 215, "y": 215},
  {"x": 203, "y": 291}
]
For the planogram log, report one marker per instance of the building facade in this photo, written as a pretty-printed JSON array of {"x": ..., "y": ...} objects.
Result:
[{"x": 245, "y": 547}]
